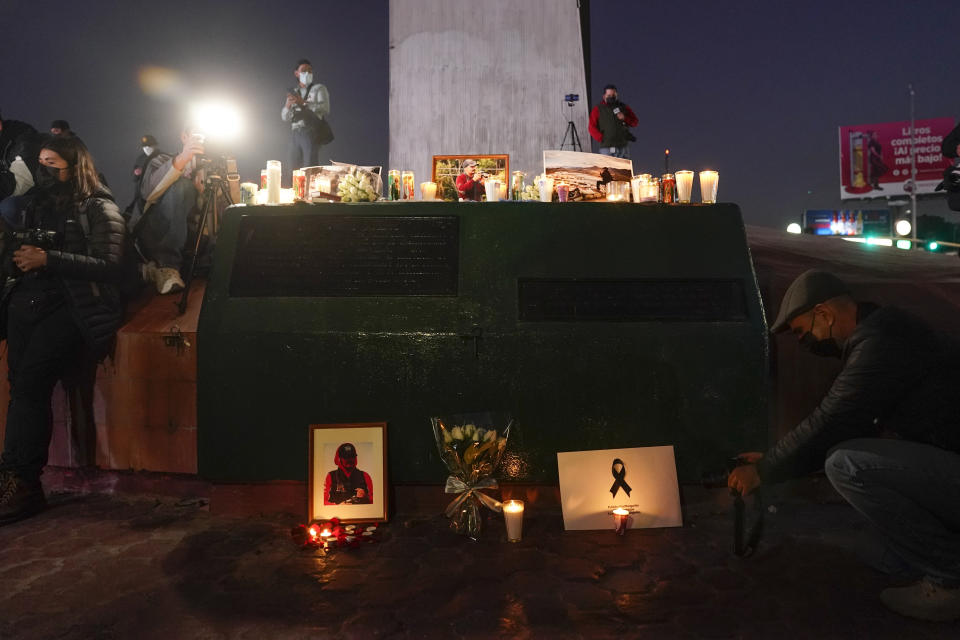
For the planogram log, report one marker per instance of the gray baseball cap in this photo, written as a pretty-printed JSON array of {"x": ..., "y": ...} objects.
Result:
[
  {"x": 807, "y": 291},
  {"x": 469, "y": 163}
]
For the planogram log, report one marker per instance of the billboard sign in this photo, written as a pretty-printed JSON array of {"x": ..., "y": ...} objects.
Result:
[{"x": 875, "y": 158}]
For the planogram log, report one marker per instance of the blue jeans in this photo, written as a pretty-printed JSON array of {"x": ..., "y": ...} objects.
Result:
[
  {"x": 616, "y": 152},
  {"x": 304, "y": 152},
  {"x": 164, "y": 231},
  {"x": 911, "y": 493}
]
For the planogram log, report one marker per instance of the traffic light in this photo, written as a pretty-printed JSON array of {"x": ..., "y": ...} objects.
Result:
[{"x": 933, "y": 245}]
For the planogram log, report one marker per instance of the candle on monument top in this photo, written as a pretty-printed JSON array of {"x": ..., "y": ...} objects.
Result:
[{"x": 666, "y": 160}]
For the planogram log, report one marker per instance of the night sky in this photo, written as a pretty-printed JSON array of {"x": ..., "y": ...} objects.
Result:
[{"x": 753, "y": 89}]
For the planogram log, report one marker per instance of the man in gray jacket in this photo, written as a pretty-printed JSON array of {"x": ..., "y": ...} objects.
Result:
[
  {"x": 304, "y": 151},
  {"x": 887, "y": 434},
  {"x": 170, "y": 195}
]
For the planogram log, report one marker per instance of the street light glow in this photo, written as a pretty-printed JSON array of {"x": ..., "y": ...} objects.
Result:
[
  {"x": 904, "y": 227},
  {"x": 794, "y": 227}
]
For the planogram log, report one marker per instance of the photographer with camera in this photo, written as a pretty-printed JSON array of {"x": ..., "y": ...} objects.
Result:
[
  {"x": 610, "y": 123},
  {"x": 470, "y": 186},
  {"x": 169, "y": 191},
  {"x": 305, "y": 108},
  {"x": 887, "y": 434},
  {"x": 60, "y": 306}
]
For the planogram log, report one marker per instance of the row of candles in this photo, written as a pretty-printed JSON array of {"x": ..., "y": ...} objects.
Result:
[
  {"x": 513, "y": 518},
  {"x": 669, "y": 188}
]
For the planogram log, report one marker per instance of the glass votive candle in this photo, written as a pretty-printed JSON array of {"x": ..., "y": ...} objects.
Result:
[
  {"x": 684, "y": 186},
  {"x": 248, "y": 193},
  {"x": 407, "y": 185},
  {"x": 546, "y": 189},
  {"x": 513, "y": 517},
  {"x": 653, "y": 190},
  {"x": 492, "y": 185},
  {"x": 428, "y": 190},
  {"x": 620, "y": 518},
  {"x": 636, "y": 186},
  {"x": 393, "y": 184},
  {"x": 503, "y": 189},
  {"x": 708, "y": 186},
  {"x": 563, "y": 192},
  {"x": 273, "y": 182},
  {"x": 618, "y": 191}
]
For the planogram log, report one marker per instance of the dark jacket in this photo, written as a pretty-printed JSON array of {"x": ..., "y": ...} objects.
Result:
[
  {"x": 607, "y": 129},
  {"x": 951, "y": 142},
  {"x": 899, "y": 377},
  {"x": 16, "y": 139},
  {"x": 89, "y": 267}
]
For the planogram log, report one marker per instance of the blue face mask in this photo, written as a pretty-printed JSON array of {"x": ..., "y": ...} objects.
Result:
[{"x": 826, "y": 348}]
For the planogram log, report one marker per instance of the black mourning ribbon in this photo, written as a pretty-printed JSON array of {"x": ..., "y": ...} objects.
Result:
[{"x": 619, "y": 482}]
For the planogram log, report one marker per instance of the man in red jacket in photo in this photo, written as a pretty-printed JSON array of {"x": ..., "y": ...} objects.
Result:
[
  {"x": 346, "y": 484},
  {"x": 610, "y": 123}
]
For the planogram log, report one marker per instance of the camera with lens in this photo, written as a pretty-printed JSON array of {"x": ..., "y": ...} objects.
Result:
[
  {"x": 570, "y": 98},
  {"x": 40, "y": 238}
]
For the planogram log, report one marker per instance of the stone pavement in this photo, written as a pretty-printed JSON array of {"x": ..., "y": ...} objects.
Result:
[{"x": 110, "y": 567}]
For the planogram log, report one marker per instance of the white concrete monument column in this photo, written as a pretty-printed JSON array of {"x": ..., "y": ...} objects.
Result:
[{"x": 483, "y": 78}]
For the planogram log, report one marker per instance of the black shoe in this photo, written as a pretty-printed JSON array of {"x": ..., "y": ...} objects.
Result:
[{"x": 19, "y": 499}]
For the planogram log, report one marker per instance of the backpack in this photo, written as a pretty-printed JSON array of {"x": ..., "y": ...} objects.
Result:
[{"x": 135, "y": 208}]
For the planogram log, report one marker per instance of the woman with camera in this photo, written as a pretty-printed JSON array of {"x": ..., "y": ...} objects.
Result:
[{"x": 60, "y": 305}]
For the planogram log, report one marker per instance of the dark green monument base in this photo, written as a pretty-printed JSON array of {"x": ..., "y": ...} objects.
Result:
[{"x": 596, "y": 325}]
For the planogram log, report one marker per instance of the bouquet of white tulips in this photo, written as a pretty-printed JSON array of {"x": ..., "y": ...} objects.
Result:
[{"x": 471, "y": 446}]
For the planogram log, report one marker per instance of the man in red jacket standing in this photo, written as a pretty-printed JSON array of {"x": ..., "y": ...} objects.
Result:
[{"x": 610, "y": 123}]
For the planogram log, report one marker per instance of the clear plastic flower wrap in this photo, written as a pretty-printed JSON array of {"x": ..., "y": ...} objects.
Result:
[{"x": 472, "y": 446}]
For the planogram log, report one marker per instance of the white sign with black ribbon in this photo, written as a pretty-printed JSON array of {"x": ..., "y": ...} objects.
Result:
[{"x": 642, "y": 480}]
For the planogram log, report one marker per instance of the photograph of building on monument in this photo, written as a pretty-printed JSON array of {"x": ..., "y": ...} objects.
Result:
[
  {"x": 446, "y": 169},
  {"x": 587, "y": 173}
]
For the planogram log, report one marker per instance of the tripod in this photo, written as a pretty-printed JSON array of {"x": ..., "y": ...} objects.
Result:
[
  {"x": 214, "y": 187},
  {"x": 571, "y": 133}
]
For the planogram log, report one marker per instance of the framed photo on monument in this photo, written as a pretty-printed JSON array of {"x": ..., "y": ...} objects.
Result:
[
  {"x": 348, "y": 472},
  {"x": 447, "y": 168}
]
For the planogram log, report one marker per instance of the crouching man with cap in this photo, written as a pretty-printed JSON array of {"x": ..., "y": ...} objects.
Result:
[
  {"x": 887, "y": 434},
  {"x": 346, "y": 484}
]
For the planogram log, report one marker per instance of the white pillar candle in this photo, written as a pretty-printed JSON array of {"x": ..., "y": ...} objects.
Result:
[
  {"x": 428, "y": 190},
  {"x": 513, "y": 516},
  {"x": 492, "y": 186},
  {"x": 708, "y": 186},
  {"x": 636, "y": 184},
  {"x": 273, "y": 182},
  {"x": 684, "y": 186},
  {"x": 546, "y": 189}
]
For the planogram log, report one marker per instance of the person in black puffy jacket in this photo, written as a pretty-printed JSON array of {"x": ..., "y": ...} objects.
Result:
[
  {"x": 887, "y": 434},
  {"x": 60, "y": 303}
]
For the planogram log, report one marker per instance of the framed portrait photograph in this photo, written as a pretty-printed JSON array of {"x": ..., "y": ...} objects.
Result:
[
  {"x": 447, "y": 169},
  {"x": 348, "y": 472}
]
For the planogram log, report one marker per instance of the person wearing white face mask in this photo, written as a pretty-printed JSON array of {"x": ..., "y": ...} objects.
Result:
[{"x": 306, "y": 96}]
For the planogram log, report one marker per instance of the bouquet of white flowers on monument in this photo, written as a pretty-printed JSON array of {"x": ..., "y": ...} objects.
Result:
[{"x": 472, "y": 446}]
